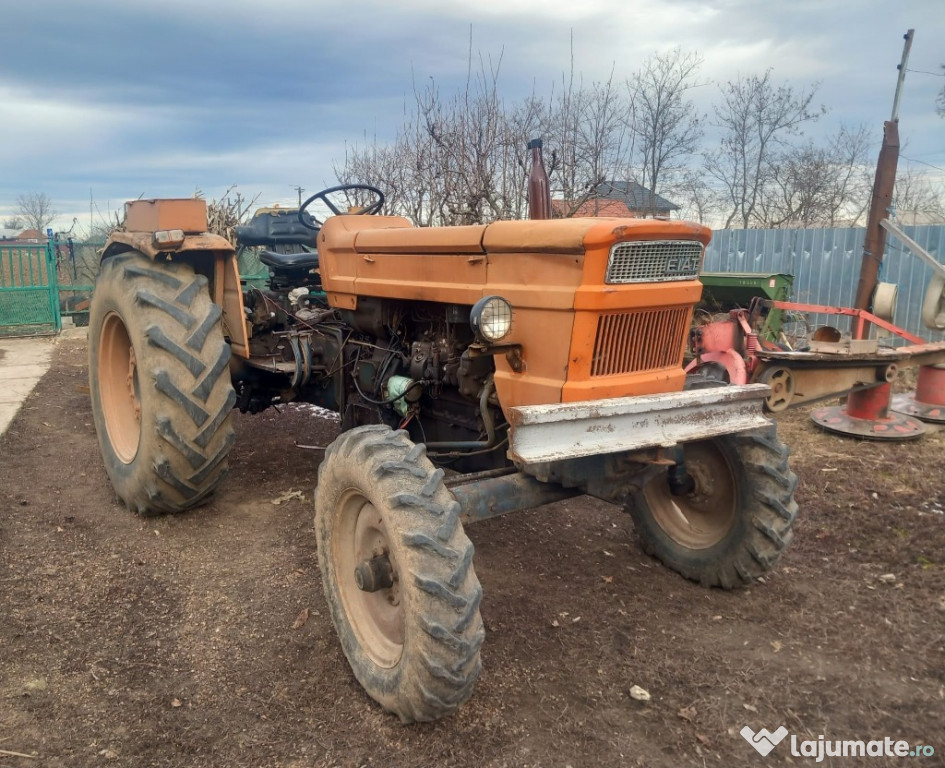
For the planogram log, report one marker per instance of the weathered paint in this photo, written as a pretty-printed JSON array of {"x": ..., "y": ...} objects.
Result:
[
  {"x": 553, "y": 274},
  {"x": 496, "y": 496},
  {"x": 543, "y": 433},
  {"x": 212, "y": 256}
]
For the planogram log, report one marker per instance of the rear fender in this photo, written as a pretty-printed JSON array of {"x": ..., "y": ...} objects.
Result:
[{"x": 211, "y": 256}]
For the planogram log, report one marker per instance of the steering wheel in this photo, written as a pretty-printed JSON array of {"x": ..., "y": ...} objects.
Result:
[{"x": 310, "y": 222}]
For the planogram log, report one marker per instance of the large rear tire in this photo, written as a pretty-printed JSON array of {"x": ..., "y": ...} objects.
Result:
[
  {"x": 736, "y": 521},
  {"x": 412, "y": 637},
  {"x": 159, "y": 381}
]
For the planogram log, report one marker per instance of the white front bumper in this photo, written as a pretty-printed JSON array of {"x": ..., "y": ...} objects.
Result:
[{"x": 542, "y": 433}]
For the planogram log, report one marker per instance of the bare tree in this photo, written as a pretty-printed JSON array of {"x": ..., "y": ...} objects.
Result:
[
  {"x": 604, "y": 130},
  {"x": 462, "y": 159},
  {"x": 917, "y": 199},
  {"x": 13, "y": 222},
  {"x": 468, "y": 137},
  {"x": 36, "y": 210},
  {"x": 458, "y": 159},
  {"x": 666, "y": 124},
  {"x": 561, "y": 133},
  {"x": 394, "y": 169},
  {"x": 818, "y": 185},
  {"x": 225, "y": 214},
  {"x": 589, "y": 133},
  {"x": 697, "y": 200},
  {"x": 852, "y": 177},
  {"x": 756, "y": 116}
]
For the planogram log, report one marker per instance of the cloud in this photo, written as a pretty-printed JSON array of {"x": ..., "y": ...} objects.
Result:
[{"x": 130, "y": 98}]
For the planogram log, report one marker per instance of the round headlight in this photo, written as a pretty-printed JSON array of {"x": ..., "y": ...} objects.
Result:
[{"x": 491, "y": 318}]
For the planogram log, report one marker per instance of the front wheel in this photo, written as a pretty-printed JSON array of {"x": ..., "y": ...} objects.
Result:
[
  {"x": 736, "y": 518},
  {"x": 397, "y": 571}
]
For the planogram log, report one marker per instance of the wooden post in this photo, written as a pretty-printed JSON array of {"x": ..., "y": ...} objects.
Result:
[{"x": 874, "y": 243}]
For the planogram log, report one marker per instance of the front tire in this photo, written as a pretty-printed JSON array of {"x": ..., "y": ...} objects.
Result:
[
  {"x": 159, "y": 382},
  {"x": 737, "y": 520},
  {"x": 412, "y": 641}
]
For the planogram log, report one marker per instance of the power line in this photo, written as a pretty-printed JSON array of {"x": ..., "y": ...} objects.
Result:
[
  {"x": 923, "y": 72},
  {"x": 912, "y": 160}
]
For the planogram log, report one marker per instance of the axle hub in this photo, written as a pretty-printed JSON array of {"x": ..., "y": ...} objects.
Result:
[{"x": 375, "y": 574}]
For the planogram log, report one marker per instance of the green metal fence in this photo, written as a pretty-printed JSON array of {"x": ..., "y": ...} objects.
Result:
[
  {"x": 29, "y": 290},
  {"x": 252, "y": 271},
  {"x": 78, "y": 263},
  {"x": 44, "y": 287}
]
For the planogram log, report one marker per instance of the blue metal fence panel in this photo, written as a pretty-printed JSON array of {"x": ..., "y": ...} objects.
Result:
[{"x": 826, "y": 265}]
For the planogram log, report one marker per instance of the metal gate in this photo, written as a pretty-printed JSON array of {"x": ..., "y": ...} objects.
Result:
[{"x": 29, "y": 291}]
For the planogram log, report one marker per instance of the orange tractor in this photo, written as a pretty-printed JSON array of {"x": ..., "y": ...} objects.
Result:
[{"x": 478, "y": 370}]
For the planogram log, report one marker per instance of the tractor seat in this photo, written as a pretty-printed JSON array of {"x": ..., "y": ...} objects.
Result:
[
  {"x": 277, "y": 227},
  {"x": 298, "y": 260}
]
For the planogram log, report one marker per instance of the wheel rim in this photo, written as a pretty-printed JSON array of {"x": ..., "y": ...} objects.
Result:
[
  {"x": 781, "y": 381},
  {"x": 702, "y": 518},
  {"x": 119, "y": 388},
  {"x": 377, "y": 618}
]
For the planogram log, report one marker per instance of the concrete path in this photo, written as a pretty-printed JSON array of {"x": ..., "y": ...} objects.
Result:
[{"x": 22, "y": 364}]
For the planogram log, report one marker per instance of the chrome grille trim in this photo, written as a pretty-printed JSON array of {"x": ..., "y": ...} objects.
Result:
[{"x": 653, "y": 261}]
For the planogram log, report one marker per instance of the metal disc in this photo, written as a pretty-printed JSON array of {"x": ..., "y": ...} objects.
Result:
[
  {"x": 907, "y": 404},
  {"x": 895, "y": 426}
]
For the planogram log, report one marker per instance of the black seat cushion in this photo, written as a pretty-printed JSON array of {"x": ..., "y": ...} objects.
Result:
[
  {"x": 277, "y": 227},
  {"x": 299, "y": 260}
]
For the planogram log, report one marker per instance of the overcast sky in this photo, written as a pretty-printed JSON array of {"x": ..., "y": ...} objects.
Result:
[{"x": 116, "y": 99}]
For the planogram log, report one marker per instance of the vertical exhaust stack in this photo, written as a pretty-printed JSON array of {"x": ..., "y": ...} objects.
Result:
[{"x": 539, "y": 187}]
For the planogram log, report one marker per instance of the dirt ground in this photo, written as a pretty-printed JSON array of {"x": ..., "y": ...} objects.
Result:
[{"x": 182, "y": 641}]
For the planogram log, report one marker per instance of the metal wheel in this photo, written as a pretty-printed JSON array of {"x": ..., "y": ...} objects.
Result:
[
  {"x": 377, "y": 617},
  {"x": 933, "y": 305},
  {"x": 397, "y": 571},
  {"x": 704, "y": 516},
  {"x": 781, "y": 382},
  {"x": 738, "y": 517},
  {"x": 120, "y": 388}
]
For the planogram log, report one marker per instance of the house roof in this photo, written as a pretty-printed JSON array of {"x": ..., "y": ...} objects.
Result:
[
  {"x": 637, "y": 198},
  {"x": 617, "y": 198},
  {"x": 594, "y": 207},
  {"x": 22, "y": 237}
]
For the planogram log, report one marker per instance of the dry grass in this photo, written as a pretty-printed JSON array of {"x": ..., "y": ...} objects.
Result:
[{"x": 227, "y": 213}]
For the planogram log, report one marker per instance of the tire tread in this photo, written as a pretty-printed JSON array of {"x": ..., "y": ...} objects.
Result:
[
  {"x": 767, "y": 516},
  {"x": 440, "y": 663},
  {"x": 183, "y": 364}
]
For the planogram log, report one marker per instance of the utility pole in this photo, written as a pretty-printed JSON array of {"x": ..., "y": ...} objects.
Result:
[
  {"x": 300, "y": 190},
  {"x": 874, "y": 244}
]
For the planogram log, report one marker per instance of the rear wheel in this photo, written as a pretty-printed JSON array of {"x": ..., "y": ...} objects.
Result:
[
  {"x": 160, "y": 384},
  {"x": 397, "y": 571},
  {"x": 737, "y": 518}
]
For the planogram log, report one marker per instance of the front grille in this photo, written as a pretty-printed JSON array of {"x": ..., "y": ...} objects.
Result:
[
  {"x": 640, "y": 341},
  {"x": 651, "y": 261}
]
